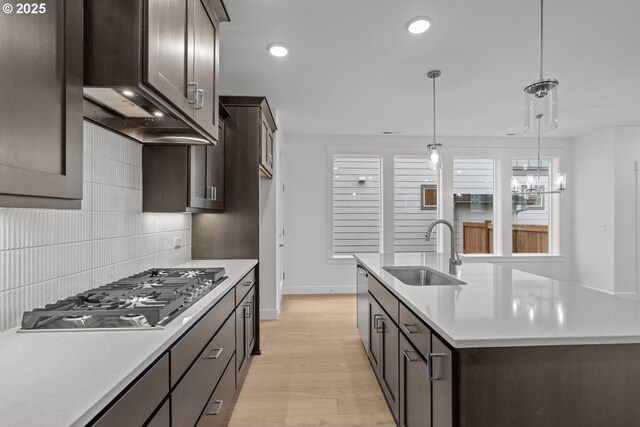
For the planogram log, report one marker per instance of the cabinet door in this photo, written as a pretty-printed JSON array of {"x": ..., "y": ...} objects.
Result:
[
  {"x": 169, "y": 56},
  {"x": 250, "y": 321},
  {"x": 266, "y": 141},
  {"x": 198, "y": 194},
  {"x": 41, "y": 113},
  {"x": 441, "y": 360},
  {"x": 415, "y": 387},
  {"x": 205, "y": 68},
  {"x": 215, "y": 171},
  {"x": 375, "y": 316},
  {"x": 389, "y": 369}
]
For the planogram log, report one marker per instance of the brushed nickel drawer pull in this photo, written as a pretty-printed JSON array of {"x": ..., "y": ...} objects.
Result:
[
  {"x": 407, "y": 326},
  {"x": 217, "y": 411},
  {"x": 217, "y": 351},
  {"x": 430, "y": 358},
  {"x": 247, "y": 283},
  {"x": 410, "y": 358},
  {"x": 196, "y": 87}
]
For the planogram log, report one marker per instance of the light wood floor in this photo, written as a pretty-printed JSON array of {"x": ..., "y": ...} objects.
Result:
[{"x": 313, "y": 370}]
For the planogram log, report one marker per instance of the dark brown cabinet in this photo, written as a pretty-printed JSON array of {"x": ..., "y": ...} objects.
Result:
[
  {"x": 260, "y": 120},
  {"x": 179, "y": 178},
  {"x": 266, "y": 146},
  {"x": 383, "y": 344},
  {"x": 41, "y": 119},
  {"x": 415, "y": 387},
  {"x": 182, "y": 49},
  {"x": 245, "y": 333},
  {"x": 152, "y": 68}
]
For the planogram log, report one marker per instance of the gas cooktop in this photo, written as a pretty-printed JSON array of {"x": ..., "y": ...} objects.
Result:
[{"x": 146, "y": 300}]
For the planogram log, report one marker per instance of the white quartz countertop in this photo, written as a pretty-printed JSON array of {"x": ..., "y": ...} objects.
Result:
[
  {"x": 502, "y": 307},
  {"x": 66, "y": 378}
]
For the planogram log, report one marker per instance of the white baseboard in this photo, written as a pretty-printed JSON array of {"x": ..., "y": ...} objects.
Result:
[
  {"x": 315, "y": 290},
  {"x": 268, "y": 314}
]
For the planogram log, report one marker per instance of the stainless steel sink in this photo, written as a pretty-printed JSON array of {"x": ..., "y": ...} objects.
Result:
[{"x": 422, "y": 276}]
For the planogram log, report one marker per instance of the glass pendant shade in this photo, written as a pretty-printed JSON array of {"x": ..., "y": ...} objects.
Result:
[
  {"x": 515, "y": 184},
  {"x": 434, "y": 156},
  {"x": 532, "y": 183},
  {"x": 541, "y": 99},
  {"x": 561, "y": 181}
]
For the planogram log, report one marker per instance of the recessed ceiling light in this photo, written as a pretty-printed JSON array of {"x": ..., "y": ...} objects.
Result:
[
  {"x": 277, "y": 49},
  {"x": 158, "y": 113},
  {"x": 419, "y": 24},
  {"x": 127, "y": 92}
]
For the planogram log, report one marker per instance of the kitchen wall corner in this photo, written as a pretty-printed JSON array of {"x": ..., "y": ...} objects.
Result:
[{"x": 48, "y": 254}]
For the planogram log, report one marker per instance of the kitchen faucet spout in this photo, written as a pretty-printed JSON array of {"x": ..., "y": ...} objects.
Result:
[{"x": 455, "y": 260}]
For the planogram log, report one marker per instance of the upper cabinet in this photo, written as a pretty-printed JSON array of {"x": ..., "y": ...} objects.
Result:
[
  {"x": 41, "y": 112},
  {"x": 258, "y": 115},
  {"x": 151, "y": 68},
  {"x": 181, "y": 178}
]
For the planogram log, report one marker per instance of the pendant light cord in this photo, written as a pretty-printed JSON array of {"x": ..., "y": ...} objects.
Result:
[
  {"x": 541, "y": 32},
  {"x": 434, "y": 109}
]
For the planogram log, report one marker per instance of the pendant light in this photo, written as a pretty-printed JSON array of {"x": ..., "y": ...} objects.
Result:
[
  {"x": 533, "y": 185},
  {"x": 434, "y": 150},
  {"x": 541, "y": 97}
]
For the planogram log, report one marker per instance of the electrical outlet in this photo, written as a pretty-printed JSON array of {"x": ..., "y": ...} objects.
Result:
[
  {"x": 177, "y": 242},
  {"x": 601, "y": 227}
]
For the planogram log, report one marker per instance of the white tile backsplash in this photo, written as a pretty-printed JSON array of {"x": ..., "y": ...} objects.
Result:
[{"x": 47, "y": 254}]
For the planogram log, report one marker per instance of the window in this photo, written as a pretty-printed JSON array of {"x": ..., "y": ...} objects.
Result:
[
  {"x": 473, "y": 213},
  {"x": 356, "y": 204},
  {"x": 411, "y": 218},
  {"x": 530, "y": 233}
]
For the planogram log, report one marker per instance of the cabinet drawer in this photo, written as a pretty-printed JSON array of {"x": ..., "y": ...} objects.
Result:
[
  {"x": 190, "y": 396},
  {"x": 192, "y": 343},
  {"x": 386, "y": 299},
  {"x": 218, "y": 409},
  {"x": 244, "y": 286},
  {"x": 415, "y": 330},
  {"x": 139, "y": 402}
]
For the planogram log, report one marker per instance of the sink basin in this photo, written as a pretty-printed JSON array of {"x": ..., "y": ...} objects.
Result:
[{"x": 422, "y": 276}]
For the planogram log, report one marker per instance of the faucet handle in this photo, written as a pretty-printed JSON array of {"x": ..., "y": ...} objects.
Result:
[{"x": 456, "y": 260}]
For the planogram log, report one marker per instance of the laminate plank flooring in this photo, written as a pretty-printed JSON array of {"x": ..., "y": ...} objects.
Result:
[{"x": 313, "y": 370}]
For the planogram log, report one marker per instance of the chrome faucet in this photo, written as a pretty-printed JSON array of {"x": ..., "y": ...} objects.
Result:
[{"x": 455, "y": 260}]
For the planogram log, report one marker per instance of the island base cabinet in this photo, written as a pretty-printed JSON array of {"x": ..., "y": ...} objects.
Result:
[
  {"x": 220, "y": 406},
  {"x": 415, "y": 387}
]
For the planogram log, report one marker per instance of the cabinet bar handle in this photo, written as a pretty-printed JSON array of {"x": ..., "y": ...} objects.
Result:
[
  {"x": 407, "y": 328},
  {"x": 247, "y": 311},
  {"x": 199, "y": 99},
  {"x": 410, "y": 358},
  {"x": 196, "y": 87},
  {"x": 376, "y": 323},
  {"x": 213, "y": 193},
  {"x": 217, "y": 351},
  {"x": 430, "y": 358},
  {"x": 217, "y": 411},
  {"x": 362, "y": 271},
  {"x": 247, "y": 283}
]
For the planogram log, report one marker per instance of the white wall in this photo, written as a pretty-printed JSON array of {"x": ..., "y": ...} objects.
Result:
[
  {"x": 47, "y": 254},
  {"x": 604, "y": 190},
  {"x": 307, "y": 262}
]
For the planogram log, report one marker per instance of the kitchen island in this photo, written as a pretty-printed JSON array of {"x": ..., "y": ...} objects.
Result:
[
  {"x": 499, "y": 348},
  {"x": 72, "y": 378}
]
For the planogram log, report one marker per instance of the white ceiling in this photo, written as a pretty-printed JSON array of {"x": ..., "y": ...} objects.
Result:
[{"x": 354, "y": 69}]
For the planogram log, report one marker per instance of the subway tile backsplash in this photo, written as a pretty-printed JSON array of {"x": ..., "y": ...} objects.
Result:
[{"x": 48, "y": 254}]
